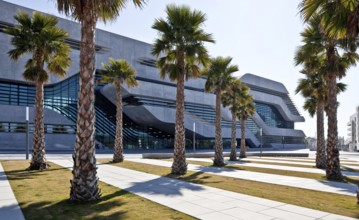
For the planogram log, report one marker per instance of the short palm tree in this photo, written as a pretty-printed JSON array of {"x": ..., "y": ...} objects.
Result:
[
  {"x": 339, "y": 55},
  {"x": 119, "y": 72},
  {"x": 231, "y": 98},
  {"x": 219, "y": 77},
  {"x": 180, "y": 43},
  {"x": 246, "y": 110},
  {"x": 39, "y": 36},
  {"x": 84, "y": 185},
  {"x": 313, "y": 88},
  {"x": 313, "y": 91}
]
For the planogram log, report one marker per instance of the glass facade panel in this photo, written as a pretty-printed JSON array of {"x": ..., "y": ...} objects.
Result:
[{"x": 271, "y": 117}]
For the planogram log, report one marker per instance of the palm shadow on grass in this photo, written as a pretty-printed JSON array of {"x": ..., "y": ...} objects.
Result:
[
  {"x": 66, "y": 209},
  {"x": 26, "y": 174},
  {"x": 195, "y": 177}
]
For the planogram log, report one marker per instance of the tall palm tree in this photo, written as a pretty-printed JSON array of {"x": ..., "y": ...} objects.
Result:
[
  {"x": 313, "y": 88},
  {"x": 219, "y": 77},
  {"x": 84, "y": 185},
  {"x": 39, "y": 36},
  {"x": 339, "y": 18},
  {"x": 247, "y": 109},
  {"x": 231, "y": 97},
  {"x": 339, "y": 55},
  {"x": 180, "y": 43},
  {"x": 119, "y": 72}
]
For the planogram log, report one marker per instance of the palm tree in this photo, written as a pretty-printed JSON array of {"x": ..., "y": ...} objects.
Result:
[
  {"x": 119, "y": 72},
  {"x": 339, "y": 18},
  {"x": 219, "y": 77},
  {"x": 313, "y": 88},
  {"x": 39, "y": 36},
  {"x": 84, "y": 185},
  {"x": 180, "y": 43},
  {"x": 231, "y": 97},
  {"x": 246, "y": 111},
  {"x": 339, "y": 55}
]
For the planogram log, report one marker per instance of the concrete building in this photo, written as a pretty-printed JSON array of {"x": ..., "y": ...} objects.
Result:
[
  {"x": 149, "y": 110},
  {"x": 353, "y": 130}
]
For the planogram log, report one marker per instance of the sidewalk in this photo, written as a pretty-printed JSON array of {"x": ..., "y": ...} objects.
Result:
[
  {"x": 304, "y": 183},
  {"x": 201, "y": 201},
  {"x": 275, "y": 167},
  {"x": 9, "y": 207}
]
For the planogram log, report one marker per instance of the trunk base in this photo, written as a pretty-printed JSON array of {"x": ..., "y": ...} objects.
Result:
[
  {"x": 233, "y": 156},
  {"x": 242, "y": 156},
  {"x": 81, "y": 193},
  {"x": 333, "y": 167},
  {"x": 335, "y": 176},
  {"x": 179, "y": 168},
  {"x": 218, "y": 162},
  {"x": 39, "y": 166},
  {"x": 117, "y": 160}
]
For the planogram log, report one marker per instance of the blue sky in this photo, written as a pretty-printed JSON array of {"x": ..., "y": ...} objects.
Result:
[{"x": 261, "y": 36}]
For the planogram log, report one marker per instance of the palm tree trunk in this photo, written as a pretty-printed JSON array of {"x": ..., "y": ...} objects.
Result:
[
  {"x": 320, "y": 157},
  {"x": 118, "y": 150},
  {"x": 233, "y": 155},
  {"x": 84, "y": 185},
  {"x": 218, "y": 155},
  {"x": 242, "y": 153},
  {"x": 333, "y": 164},
  {"x": 38, "y": 161},
  {"x": 179, "y": 166}
]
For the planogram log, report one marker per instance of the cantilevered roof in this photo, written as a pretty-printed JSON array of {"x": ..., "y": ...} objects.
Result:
[{"x": 268, "y": 84}]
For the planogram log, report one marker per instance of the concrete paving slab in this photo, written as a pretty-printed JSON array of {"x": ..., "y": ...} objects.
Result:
[
  {"x": 301, "y": 210},
  {"x": 9, "y": 207},
  {"x": 335, "y": 217},
  {"x": 241, "y": 213},
  {"x": 281, "y": 214},
  {"x": 216, "y": 216},
  {"x": 248, "y": 205}
]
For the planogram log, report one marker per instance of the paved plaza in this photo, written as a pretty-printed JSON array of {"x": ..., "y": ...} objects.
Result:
[{"x": 197, "y": 200}]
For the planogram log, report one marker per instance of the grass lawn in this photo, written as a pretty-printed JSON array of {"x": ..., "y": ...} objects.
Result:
[
  {"x": 316, "y": 176},
  {"x": 45, "y": 195},
  {"x": 328, "y": 202}
]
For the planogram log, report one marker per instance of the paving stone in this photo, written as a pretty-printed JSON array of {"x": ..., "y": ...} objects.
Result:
[
  {"x": 248, "y": 205},
  {"x": 285, "y": 214},
  {"x": 9, "y": 207},
  {"x": 336, "y": 217},
  {"x": 216, "y": 216},
  {"x": 302, "y": 211},
  {"x": 248, "y": 215}
]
